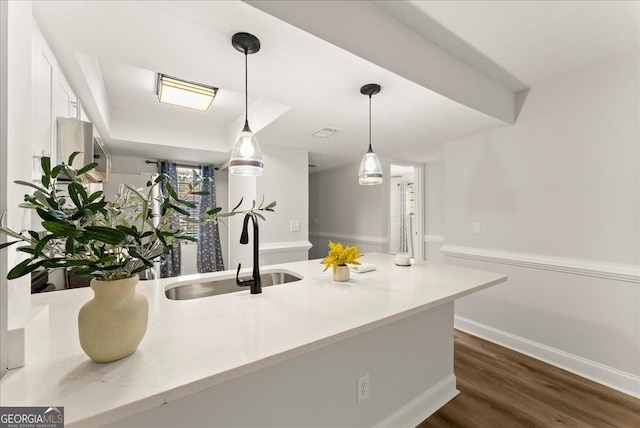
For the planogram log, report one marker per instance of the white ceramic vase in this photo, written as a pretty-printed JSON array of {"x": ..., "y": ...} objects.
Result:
[
  {"x": 341, "y": 273},
  {"x": 112, "y": 324}
]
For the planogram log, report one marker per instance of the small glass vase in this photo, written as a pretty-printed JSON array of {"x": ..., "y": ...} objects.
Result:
[{"x": 341, "y": 274}]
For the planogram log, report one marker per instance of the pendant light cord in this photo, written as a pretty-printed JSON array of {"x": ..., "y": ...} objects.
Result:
[
  {"x": 370, "y": 149},
  {"x": 246, "y": 90}
]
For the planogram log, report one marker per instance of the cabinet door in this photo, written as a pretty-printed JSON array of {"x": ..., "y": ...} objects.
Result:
[
  {"x": 63, "y": 106},
  {"x": 52, "y": 98},
  {"x": 43, "y": 135}
]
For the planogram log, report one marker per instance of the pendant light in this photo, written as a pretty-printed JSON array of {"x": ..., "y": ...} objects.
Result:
[
  {"x": 370, "y": 170},
  {"x": 246, "y": 157}
]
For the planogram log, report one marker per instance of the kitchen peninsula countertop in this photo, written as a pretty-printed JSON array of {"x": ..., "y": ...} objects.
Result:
[{"x": 192, "y": 345}]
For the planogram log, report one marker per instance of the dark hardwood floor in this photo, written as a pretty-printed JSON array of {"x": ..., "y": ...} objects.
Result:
[{"x": 502, "y": 388}]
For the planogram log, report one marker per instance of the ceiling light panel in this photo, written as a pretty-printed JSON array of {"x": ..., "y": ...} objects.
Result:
[
  {"x": 325, "y": 132},
  {"x": 185, "y": 94}
]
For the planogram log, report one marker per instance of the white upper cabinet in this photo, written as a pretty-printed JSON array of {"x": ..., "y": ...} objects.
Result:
[{"x": 52, "y": 98}]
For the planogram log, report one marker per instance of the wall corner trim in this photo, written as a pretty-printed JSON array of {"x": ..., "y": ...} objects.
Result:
[
  {"x": 618, "y": 272},
  {"x": 605, "y": 375}
]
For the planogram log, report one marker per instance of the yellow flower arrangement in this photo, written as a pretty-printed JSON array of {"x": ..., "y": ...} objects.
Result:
[{"x": 339, "y": 255}]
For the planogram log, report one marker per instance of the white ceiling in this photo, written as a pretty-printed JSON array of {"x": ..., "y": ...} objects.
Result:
[
  {"x": 111, "y": 51},
  {"x": 533, "y": 41}
]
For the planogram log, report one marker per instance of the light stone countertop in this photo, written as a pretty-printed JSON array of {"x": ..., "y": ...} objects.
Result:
[{"x": 191, "y": 345}]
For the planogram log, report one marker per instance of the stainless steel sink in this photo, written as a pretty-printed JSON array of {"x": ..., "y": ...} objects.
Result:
[{"x": 224, "y": 286}]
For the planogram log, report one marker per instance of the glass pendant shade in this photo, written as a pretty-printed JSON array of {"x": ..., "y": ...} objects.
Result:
[
  {"x": 370, "y": 170},
  {"x": 246, "y": 157}
]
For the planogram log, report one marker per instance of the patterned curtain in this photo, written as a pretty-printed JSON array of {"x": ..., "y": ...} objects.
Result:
[
  {"x": 170, "y": 264},
  {"x": 209, "y": 251}
]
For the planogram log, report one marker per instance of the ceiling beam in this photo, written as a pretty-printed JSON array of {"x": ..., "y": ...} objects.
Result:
[{"x": 369, "y": 32}]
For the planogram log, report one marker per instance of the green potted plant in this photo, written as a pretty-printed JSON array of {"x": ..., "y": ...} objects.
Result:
[
  {"x": 338, "y": 257},
  {"x": 111, "y": 241}
]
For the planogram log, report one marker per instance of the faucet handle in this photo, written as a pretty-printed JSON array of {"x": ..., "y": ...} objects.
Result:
[
  {"x": 245, "y": 282},
  {"x": 238, "y": 283}
]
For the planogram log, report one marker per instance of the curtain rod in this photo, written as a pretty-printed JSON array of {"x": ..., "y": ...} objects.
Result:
[{"x": 182, "y": 165}]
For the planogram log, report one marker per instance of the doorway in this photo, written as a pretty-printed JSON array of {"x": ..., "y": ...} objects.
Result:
[{"x": 406, "y": 216}]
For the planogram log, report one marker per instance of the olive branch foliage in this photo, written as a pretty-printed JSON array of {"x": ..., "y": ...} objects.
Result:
[{"x": 107, "y": 239}]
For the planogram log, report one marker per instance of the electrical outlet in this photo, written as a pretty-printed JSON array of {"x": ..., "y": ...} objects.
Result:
[
  {"x": 295, "y": 226},
  {"x": 364, "y": 388}
]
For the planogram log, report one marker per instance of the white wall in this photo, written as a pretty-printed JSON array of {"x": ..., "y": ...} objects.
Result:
[
  {"x": 132, "y": 165},
  {"x": 4, "y": 257},
  {"x": 284, "y": 180},
  {"x": 18, "y": 161},
  {"x": 434, "y": 211},
  {"x": 342, "y": 210},
  {"x": 557, "y": 190}
]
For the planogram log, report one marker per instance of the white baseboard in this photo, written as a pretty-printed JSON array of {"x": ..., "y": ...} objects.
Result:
[
  {"x": 608, "y": 376},
  {"x": 423, "y": 406}
]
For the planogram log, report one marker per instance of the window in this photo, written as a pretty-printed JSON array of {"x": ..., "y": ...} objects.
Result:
[{"x": 186, "y": 177}]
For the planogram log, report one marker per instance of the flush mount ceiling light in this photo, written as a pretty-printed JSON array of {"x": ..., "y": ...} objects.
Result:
[
  {"x": 370, "y": 170},
  {"x": 246, "y": 157},
  {"x": 325, "y": 132},
  {"x": 197, "y": 96}
]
